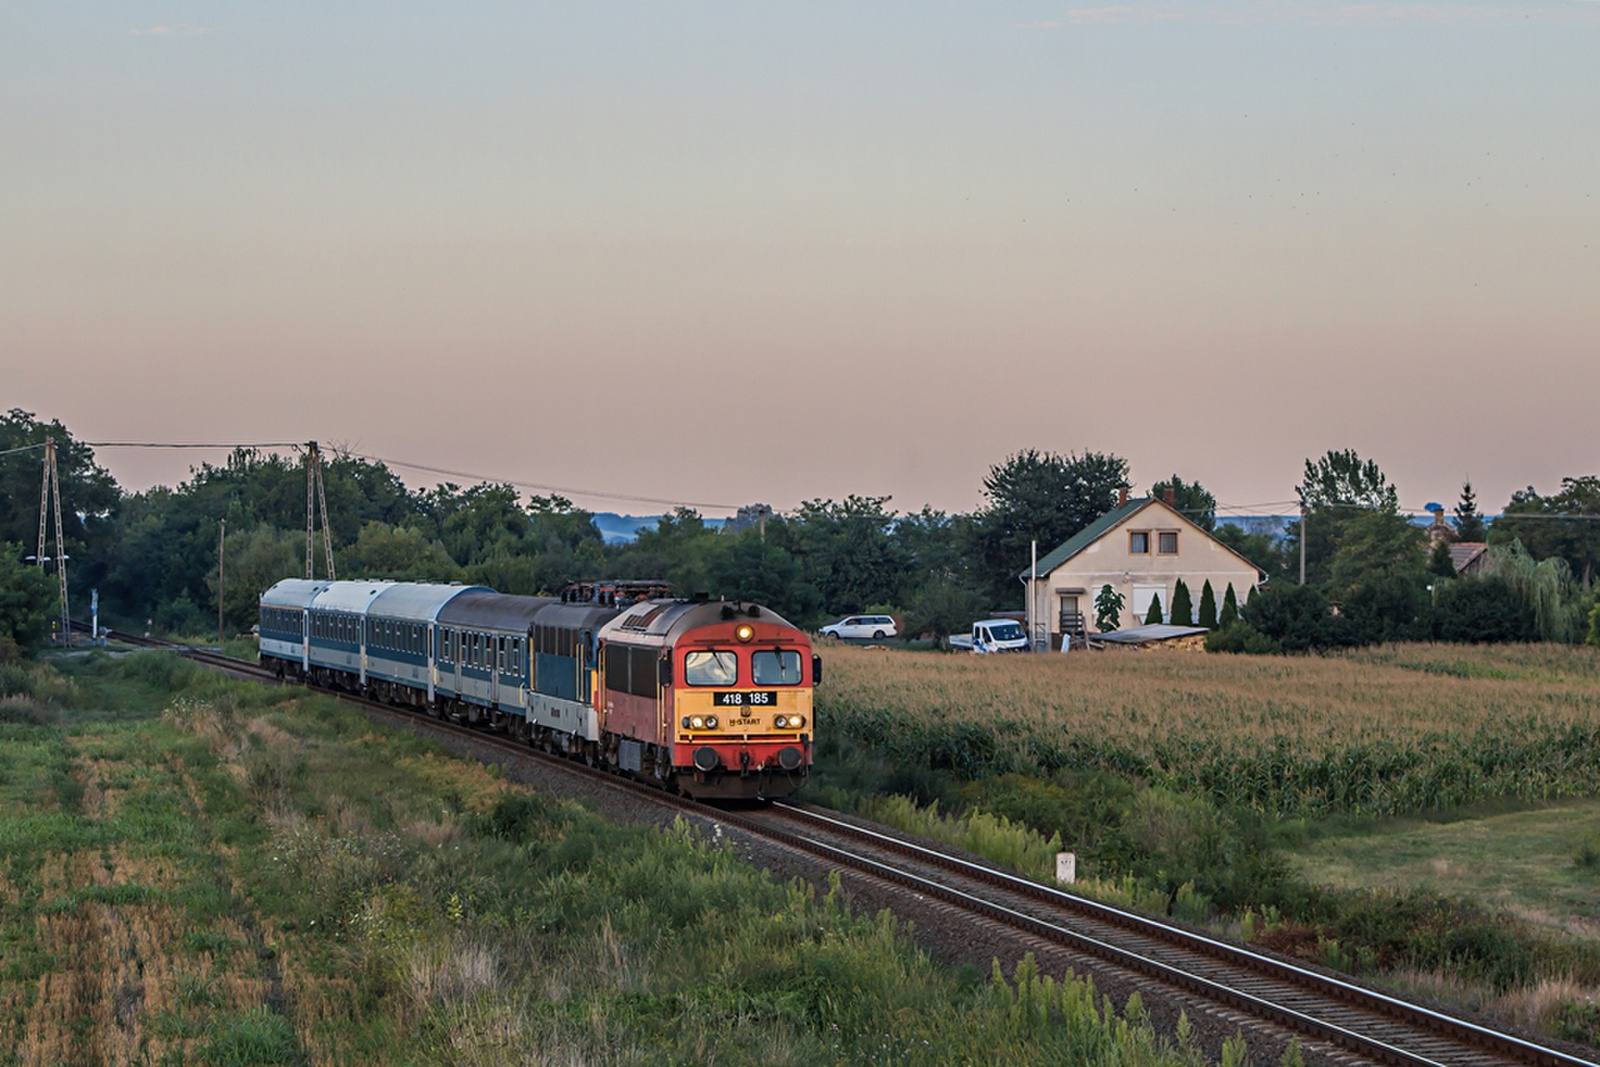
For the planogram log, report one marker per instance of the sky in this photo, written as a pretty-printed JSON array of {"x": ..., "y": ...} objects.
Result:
[{"x": 723, "y": 253}]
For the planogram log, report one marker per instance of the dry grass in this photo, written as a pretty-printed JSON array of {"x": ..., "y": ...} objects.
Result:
[{"x": 1394, "y": 692}]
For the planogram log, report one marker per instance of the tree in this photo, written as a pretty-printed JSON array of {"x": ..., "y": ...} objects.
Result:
[
  {"x": 943, "y": 606},
  {"x": 1336, "y": 489},
  {"x": 847, "y": 552},
  {"x": 1154, "y": 616},
  {"x": 256, "y": 559},
  {"x": 1107, "y": 609},
  {"x": 1039, "y": 496},
  {"x": 1192, "y": 500},
  {"x": 1379, "y": 578},
  {"x": 1230, "y": 607},
  {"x": 1182, "y": 605},
  {"x": 1266, "y": 551},
  {"x": 402, "y": 553},
  {"x": 1483, "y": 610},
  {"x": 1594, "y": 626},
  {"x": 1208, "y": 606},
  {"x": 1566, "y": 524},
  {"x": 1440, "y": 564},
  {"x": 1297, "y": 617},
  {"x": 28, "y": 600},
  {"x": 1469, "y": 523},
  {"x": 90, "y": 498}
]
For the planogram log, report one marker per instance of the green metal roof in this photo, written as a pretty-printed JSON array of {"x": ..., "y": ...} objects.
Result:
[{"x": 1086, "y": 537}]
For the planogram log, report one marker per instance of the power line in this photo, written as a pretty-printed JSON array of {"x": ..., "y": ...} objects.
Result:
[
  {"x": 24, "y": 448},
  {"x": 545, "y": 488},
  {"x": 188, "y": 444},
  {"x": 519, "y": 483}
]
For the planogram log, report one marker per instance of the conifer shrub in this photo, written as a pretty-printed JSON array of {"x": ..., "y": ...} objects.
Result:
[
  {"x": 1182, "y": 605},
  {"x": 1208, "y": 607},
  {"x": 1153, "y": 616},
  {"x": 1230, "y": 607}
]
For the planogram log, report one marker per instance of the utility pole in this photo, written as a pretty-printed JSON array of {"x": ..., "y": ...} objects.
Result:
[
  {"x": 1302, "y": 542},
  {"x": 222, "y": 544},
  {"x": 50, "y": 495}
]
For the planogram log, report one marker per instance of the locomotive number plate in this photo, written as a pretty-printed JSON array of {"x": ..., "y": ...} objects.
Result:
[{"x": 761, "y": 698}]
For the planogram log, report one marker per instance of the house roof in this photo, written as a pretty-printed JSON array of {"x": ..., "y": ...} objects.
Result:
[
  {"x": 1104, "y": 525},
  {"x": 1144, "y": 635},
  {"x": 1084, "y": 538},
  {"x": 1463, "y": 553}
]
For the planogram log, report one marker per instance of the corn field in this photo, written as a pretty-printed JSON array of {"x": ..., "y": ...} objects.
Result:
[{"x": 1390, "y": 730}]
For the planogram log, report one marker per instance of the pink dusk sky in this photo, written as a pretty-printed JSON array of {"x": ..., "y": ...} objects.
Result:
[{"x": 724, "y": 253}]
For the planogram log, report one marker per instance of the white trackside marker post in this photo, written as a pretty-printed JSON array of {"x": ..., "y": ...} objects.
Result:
[{"x": 1066, "y": 867}]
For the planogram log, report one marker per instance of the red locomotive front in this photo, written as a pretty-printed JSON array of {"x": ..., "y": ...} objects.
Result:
[{"x": 714, "y": 697}]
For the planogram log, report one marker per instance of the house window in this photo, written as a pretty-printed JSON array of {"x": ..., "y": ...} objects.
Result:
[
  {"x": 1139, "y": 543},
  {"x": 1167, "y": 543}
]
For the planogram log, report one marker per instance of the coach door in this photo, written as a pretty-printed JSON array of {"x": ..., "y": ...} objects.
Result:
[{"x": 494, "y": 657}]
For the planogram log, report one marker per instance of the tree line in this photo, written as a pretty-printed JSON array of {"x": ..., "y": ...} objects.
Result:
[{"x": 152, "y": 555}]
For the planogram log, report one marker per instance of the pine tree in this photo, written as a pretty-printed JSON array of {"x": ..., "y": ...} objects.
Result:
[
  {"x": 1469, "y": 523},
  {"x": 1182, "y": 605},
  {"x": 1208, "y": 607},
  {"x": 1439, "y": 562},
  {"x": 1153, "y": 616},
  {"x": 1230, "y": 608}
]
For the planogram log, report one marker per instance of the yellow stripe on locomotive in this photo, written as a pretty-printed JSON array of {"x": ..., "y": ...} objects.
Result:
[{"x": 779, "y": 715}]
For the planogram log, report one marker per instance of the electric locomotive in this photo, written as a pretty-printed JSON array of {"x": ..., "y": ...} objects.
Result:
[{"x": 712, "y": 698}]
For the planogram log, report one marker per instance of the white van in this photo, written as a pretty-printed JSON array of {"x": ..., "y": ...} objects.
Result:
[{"x": 993, "y": 635}]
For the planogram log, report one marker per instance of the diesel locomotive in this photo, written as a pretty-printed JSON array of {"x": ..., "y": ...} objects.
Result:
[{"x": 708, "y": 697}]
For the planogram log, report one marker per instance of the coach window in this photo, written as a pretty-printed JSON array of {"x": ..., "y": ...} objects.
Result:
[
  {"x": 711, "y": 668},
  {"x": 1139, "y": 543},
  {"x": 776, "y": 667},
  {"x": 1167, "y": 543}
]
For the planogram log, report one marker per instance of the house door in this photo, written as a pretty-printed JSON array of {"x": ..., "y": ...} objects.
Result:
[{"x": 1071, "y": 616}]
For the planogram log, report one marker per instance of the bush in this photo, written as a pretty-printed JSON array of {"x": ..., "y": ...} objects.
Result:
[
  {"x": 1483, "y": 610},
  {"x": 1241, "y": 637},
  {"x": 1153, "y": 616},
  {"x": 1297, "y": 618},
  {"x": 1385, "y": 607}
]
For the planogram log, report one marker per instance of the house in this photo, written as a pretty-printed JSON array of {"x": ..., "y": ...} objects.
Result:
[
  {"x": 1469, "y": 558},
  {"x": 1140, "y": 548}
]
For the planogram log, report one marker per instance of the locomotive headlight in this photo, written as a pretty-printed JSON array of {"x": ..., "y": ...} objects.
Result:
[
  {"x": 796, "y": 721},
  {"x": 744, "y": 632},
  {"x": 711, "y": 722},
  {"x": 697, "y": 722},
  {"x": 686, "y": 722},
  {"x": 780, "y": 721}
]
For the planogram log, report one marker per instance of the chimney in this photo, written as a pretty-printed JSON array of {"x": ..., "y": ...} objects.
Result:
[
  {"x": 1169, "y": 497},
  {"x": 1122, "y": 497}
]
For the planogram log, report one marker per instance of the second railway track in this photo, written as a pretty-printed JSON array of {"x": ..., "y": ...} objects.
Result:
[{"x": 1339, "y": 1020}]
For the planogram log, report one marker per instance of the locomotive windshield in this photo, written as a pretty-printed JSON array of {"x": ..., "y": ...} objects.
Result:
[
  {"x": 777, "y": 667},
  {"x": 711, "y": 668}
]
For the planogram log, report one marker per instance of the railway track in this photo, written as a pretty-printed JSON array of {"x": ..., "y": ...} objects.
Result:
[{"x": 1339, "y": 1020}]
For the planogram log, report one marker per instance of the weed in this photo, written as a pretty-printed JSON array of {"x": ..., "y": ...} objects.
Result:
[{"x": 257, "y": 1036}]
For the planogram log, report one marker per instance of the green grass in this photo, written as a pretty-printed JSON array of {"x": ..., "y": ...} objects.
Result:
[
  {"x": 1542, "y": 864},
  {"x": 272, "y": 879}
]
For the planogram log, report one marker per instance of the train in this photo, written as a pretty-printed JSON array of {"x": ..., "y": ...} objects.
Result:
[{"x": 710, "y": 698}]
